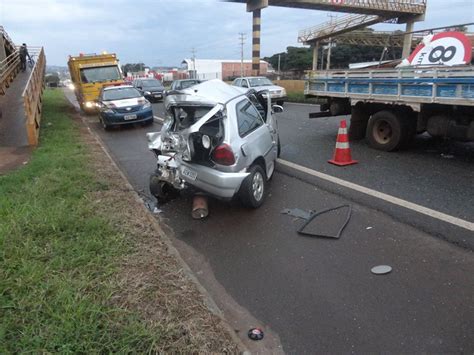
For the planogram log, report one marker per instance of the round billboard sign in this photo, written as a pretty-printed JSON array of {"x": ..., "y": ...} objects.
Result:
[{"x": 445, "y": 48}]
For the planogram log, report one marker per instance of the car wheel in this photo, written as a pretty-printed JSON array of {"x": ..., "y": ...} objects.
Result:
[
  {"x": 253, "y": 189},
  {"x": 148, "y": 122},
  {"x": 278, "y": 147},
  {"x": 105, "y": 126},
  {"x": 162, "y": 190}
]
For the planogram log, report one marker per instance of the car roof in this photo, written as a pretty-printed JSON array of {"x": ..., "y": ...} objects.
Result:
[{"x": 210, "y": 92}]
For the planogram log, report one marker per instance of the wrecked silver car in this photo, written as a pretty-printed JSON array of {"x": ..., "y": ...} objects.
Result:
[{"x": 216, "y": 139}]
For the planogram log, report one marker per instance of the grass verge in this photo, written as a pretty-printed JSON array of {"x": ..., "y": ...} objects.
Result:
[
  {"x": 300, "y": 98},
  {"x": 81, "y": 269}
]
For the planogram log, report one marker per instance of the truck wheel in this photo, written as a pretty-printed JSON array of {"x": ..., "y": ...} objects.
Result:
[
  {"x": 386, "y": 131},
  {"x": 252, "y": 191}
]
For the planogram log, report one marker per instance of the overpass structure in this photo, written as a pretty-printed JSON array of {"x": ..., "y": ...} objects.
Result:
[{"x": 362, "y": 13}]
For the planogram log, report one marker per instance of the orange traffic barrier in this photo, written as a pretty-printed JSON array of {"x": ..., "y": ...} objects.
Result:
[{"x": 342, "y": 153}]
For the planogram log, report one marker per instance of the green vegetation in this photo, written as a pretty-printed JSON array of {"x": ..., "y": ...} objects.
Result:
[
  {"x": 299, "y": 97},
  {"x": 58, "y": 256}
]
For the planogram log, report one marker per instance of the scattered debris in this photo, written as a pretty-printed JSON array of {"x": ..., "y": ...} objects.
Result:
[
  {"x": 25, "y": 162},
  {"x": 369, "y": 228},
  {"x": 381, "y": 269},
  {"x": 313, "y": 216},
  {"x": 156, "y": 210},
  {"x": 297, "y": 212},
  {"x": 200, "y": 209},
  {"x": 447, "y": 156},
  {"x": 255, "y": 334}
]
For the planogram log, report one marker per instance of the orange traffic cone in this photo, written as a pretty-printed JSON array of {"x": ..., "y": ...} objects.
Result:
[{"x": 342, "y": 153}]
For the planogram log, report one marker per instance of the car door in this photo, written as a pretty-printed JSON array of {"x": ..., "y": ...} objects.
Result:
[{"x": 255, "y": 134}]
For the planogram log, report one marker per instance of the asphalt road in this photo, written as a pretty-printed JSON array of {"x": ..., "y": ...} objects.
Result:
[{"x": 318, "y": 295}]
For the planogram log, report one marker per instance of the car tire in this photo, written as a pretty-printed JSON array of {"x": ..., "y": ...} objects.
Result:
[
  {"x": 162, "y": 190},
  {"x": 105, "y": 126},
  {"x": 148, "y": 122},
  {"x": 253, "y": 189},
  {"x": 278, "y": 147}
]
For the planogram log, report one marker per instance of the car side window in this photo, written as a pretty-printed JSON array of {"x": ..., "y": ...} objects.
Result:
[
  {"x": 237, "y": 82},
  {"x": 245, "y": 84},
  {"x": 248, "y": 118}
]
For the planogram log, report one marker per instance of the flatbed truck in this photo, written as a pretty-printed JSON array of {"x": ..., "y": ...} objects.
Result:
[{"x": 390, "y": 106}]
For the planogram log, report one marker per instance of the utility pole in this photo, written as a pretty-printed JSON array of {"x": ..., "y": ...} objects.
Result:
[
  {"x": 242, "y": 41},
  {"x": 279, "y": 56},
  {"x": 193, "y": 51},
  {"x": 328, "y": 61}
]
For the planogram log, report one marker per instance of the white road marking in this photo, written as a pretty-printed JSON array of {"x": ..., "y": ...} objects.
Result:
[
  {"x": 392, "y": 199},
  {"x": 159, "y": 119}
]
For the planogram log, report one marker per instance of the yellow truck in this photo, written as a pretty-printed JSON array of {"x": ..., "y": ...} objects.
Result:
[{"x": 91, "y": 72}]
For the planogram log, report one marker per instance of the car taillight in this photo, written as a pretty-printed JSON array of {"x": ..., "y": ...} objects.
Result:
[{"x": 223, "y": 155}]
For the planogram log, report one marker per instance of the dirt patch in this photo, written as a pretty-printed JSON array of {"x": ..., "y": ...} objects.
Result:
[
  {"x": 153, "y": 283},
  {"x": 12, "y": 158}
]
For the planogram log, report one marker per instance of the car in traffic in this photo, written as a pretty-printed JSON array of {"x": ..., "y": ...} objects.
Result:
[
  {"x": 151, "y": 88},
  {"x": 277, "y": 93},
  {"x": 181, "y": 84},
  {"x": 120, "y": 105},
  {"x": 217, "y": 139}
]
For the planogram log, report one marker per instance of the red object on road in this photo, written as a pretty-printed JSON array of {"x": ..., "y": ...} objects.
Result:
[{"x": 342, "y": 153}]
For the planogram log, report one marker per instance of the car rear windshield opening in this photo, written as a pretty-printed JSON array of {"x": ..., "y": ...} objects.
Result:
[
  {"x": 100, "y": 74},
  {"x": 186, "y": 116},
  {"x": 120, "y": 94}
]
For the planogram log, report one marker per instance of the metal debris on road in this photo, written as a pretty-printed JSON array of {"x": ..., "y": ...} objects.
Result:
[
  {"x": 381, "y": 269},
  {"x": 255, "y": 334},
  {"x": 369, "y": 228},
  {"x": 447, "y": 156}
]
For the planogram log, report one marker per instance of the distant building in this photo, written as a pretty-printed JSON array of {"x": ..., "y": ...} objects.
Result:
[{"x": 207, "y": 69}]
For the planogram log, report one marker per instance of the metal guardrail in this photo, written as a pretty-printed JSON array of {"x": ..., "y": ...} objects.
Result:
[
  {"x": 32, "y": 95},
  {"x": 341, "y": 25}
]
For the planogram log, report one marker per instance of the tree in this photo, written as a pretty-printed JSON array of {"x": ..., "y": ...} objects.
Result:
[{"x": 133, "y": 67}]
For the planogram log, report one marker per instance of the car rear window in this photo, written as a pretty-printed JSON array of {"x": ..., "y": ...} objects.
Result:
[{"x": 120, "y": 94}]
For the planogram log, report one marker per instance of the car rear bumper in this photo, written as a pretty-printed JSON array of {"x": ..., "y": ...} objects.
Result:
[{"x": 214, "y": 182}]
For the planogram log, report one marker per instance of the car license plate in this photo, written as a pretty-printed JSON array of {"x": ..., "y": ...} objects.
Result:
[
  {"x": 157, "y": 95},
  {"x": 129, "y": 117},
  {"x": 190, "y": 174}
]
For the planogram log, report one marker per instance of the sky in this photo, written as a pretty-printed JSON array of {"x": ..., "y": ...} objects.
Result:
[{"x": 164, "y": 32}]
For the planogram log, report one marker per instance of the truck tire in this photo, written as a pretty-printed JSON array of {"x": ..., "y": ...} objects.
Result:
[
  {"x": 386, "y": 131},
  {"x": 253, "y": 189}
]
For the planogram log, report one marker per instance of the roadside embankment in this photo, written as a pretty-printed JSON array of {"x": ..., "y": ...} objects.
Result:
[{"x": 82, "y": 269}]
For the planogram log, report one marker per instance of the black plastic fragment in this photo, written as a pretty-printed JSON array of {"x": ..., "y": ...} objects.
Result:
[{"x": 316, "y": 214}]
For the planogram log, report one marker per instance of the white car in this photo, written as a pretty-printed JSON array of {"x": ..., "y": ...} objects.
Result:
[
  {"x": 258, "y": 83},
  {"x": 216, "y": 139}
]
